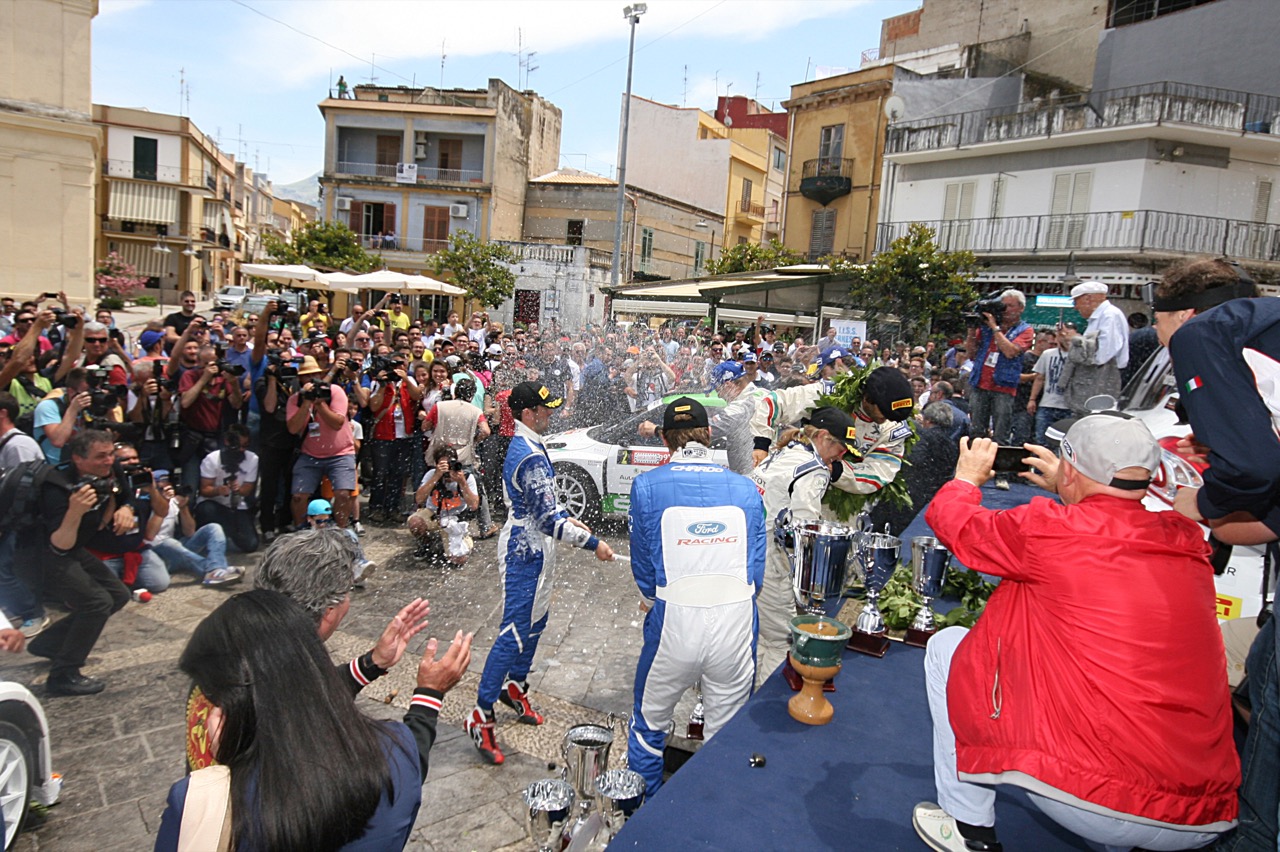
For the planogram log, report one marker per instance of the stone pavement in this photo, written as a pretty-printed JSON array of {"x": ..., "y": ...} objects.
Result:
[{"x": 121, "y": 750}]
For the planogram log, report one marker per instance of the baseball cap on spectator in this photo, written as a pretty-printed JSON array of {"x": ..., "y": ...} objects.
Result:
[
  {"x": 888, "y": 390},
  {"x": 919, "y": 350},
  {"x": 779, "y": 347},
  {"x": 749, "y": 357},
  {"x": 1099, "y": 445},
  {"x": 309, "y": 367},
  {"x": 684, "y": 413},
  {"x": 494, "y": 349},
  {"x": 633, "y": 350},
  {"x": 453, "y": 362},
  {"x": 150, "y": 338},
  {"x": 841, "y": 426},
  {"x": 319, "y": 506},
  {"x": 530, "y": 395},
  {"x": 725, "y": 371},
  {"x": 834, "y": 354}
]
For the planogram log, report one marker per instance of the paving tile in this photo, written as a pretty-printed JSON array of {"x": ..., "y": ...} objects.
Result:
[{"x": 485, "y": 827}]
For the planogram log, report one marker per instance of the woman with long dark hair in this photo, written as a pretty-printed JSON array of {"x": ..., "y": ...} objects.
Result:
[{"x": 307, "y": 771}]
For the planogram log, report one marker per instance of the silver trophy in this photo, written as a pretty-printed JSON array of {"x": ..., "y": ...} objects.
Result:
[
  {"x": 586, "y": 755},
  {"x": 819, "y": 555},
  {"x": 548, "y": 813},
  {"x": 878, "y": 553},
  {"x": 619, "y": 792},
  {"x": 929, "y": 563}
]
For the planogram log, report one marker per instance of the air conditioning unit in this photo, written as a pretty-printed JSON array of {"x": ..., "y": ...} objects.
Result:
[
  {"x": 420, "y": 151},
  {"x": 459, "y": 210},
  {"x": 342, "y": 204}
]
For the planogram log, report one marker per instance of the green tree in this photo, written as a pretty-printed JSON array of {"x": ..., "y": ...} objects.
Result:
[
  {"x": 750, "y": 257},
  {"x": 913, "y": 279},
  {"x": 478, "y": 268},
  {"x": 321, "y": 245}
]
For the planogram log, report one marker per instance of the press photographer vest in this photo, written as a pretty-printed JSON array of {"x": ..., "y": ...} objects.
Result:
[
  {"x": 455, "y": 427},
  {"x": 1008, "y": 371}
]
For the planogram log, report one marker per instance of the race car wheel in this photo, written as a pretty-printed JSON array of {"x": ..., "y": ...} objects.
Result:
[
  {"x": 16, "y": 772},
  {"x": 577, "y": 493}
]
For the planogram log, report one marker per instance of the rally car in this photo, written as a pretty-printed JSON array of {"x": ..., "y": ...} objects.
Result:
[
  {"x": 595, "y": 466},
  {"x": 26, "y": 773},
  {"x": 1151, "y": 396}
]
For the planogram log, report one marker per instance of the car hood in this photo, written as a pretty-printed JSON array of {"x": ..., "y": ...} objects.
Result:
[{"x": 573, "y": 442}]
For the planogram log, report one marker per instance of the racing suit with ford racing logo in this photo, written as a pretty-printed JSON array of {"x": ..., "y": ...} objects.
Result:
[{"x": 698, "y": 556}]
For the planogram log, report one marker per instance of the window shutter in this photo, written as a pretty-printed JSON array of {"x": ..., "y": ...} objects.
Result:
[
  {"x": 1081, "y": 190},
  {"x": 1060, "y": 203},
  {"x": 1262, "y": 201},
  {"x": 822, "y": 233},
  {"x": 357, "y": 217},
  {"x": 389, "y": 224}
]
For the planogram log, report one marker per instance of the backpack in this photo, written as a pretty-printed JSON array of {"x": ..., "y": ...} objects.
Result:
[{"x": 20, "y": 490}]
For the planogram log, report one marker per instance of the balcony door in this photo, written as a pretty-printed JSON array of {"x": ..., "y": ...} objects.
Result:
[
  {"x": 822, "y": 233},
  {"x": 830, "y": 149},
  {"x": 957, "y": 216},
  {"x": 145, "y": 157},
  {"x": 449, "y": 160},
  {"x": 1068, "y": 209},
  {"x": 388, "y": 155},
  {"x": 435, "y": 228},
  {"x": 377, "y": 223}
]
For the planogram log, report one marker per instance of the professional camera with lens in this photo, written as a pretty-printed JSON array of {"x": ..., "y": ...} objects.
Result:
[
  {"x": 381, "y": 366},
  {"x": 104, "y": 487},
  {"x": 319, "y": 392},
  {"x": 282, "y": 367},
  {"x": 65, "y": 318},
  {"x": 989, "y": 304},
  {"x": 225, "y": 366},
  {"x": 102, "y": 400}
]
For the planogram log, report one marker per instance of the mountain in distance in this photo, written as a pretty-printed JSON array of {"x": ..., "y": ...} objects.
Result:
[{"x": 306, "y": 191}]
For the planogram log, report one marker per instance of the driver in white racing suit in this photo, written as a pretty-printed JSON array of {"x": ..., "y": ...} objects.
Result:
[{"x": 698, "y": 557}]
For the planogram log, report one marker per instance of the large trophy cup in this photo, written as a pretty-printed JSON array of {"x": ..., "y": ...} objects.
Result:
[
  {"x": 929, "y": 563},
  {"x": 819, "y": 555},
  {"x": 549, "y": 813},
  {"x": 816, "y": 643},
  {"x": 878, "y": 553}
]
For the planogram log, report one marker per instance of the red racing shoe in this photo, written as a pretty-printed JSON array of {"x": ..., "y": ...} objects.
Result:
[
  {"x": 518, "y": 700},
  {"x": 480, "y": 726}
]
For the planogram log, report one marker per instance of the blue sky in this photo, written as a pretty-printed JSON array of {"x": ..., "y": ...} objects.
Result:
[{"x": 254, "y": 82}]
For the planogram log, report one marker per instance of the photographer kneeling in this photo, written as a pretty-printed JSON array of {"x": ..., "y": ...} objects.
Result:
[
  {"x": 445, "y": 493},
  {"x": 228, "y": 479}
]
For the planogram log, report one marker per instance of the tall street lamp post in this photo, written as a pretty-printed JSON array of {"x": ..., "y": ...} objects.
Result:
[{"x": 632, "y": 14}]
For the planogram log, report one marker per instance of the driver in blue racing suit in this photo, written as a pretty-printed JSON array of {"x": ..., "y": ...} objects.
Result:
[
  {"x": 698, "y": 556},
  {"x": 526, "y": 563}
]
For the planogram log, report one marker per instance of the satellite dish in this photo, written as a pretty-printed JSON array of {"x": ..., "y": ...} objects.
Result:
[
  {"x": 728, "y": 122},
  {"x": 894, "y": 107}
]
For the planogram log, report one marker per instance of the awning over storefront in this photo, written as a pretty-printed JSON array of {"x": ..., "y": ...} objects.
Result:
[
  {"x": 142, "y": 202},
  {"x": 149, "y": 263}
]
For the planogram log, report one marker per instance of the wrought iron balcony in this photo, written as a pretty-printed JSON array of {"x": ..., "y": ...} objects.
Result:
[
  {"x": 825, "y": 179},
  {"x": 1128, "y": 231},
  {"x": 1152, "y": 103}
]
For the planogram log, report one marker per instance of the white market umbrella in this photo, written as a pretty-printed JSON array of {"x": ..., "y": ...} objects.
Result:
[
  {"x": 285, "y": 273},
  {"x": 423, "y": 286}
]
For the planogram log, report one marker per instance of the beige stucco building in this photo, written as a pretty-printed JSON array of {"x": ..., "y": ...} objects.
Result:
[{"x": 48, "y": 148}]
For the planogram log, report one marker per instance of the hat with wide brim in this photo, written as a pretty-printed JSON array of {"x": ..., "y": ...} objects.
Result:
[{"x": 309, "y": 366}]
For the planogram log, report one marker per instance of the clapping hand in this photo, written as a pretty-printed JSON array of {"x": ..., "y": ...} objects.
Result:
[
  {"x": 395, "y": 638},
  {"x": 443, "y": 674}
]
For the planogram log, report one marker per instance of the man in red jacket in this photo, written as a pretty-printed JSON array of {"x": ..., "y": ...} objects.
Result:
[{"x": 1095, "y": 678}]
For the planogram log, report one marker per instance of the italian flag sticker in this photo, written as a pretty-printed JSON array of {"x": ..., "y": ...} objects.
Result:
[{"x": 1193, "y": 383}]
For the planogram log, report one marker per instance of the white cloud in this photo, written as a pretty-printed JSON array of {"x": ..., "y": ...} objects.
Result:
[{"x": 404, "y": 34}]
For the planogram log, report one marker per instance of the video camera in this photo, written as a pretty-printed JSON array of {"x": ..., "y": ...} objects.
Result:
[
  {"x": 65, "y": 318},
  {"x": 988, "y": 304},
  {"x": 382, "y": 366},
  {"x": 319, "y": 392},
  {"x": 137, "y": 475},
  {"x": 101, "y": 400},
  {"x": 282, "y": 367}
]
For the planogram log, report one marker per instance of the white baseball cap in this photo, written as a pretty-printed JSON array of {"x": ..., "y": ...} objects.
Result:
[{"x": 1099, "y": 445}]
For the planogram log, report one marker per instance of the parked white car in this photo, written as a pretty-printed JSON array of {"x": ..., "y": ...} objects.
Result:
[
  {"x": 1151, "y": 396},
  {"x": 229, "y": 297},
  {"x": 26, "y": 768}
]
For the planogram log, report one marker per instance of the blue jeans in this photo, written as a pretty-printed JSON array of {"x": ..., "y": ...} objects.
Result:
[
  {"x": 990, "y": 407},
  {"x": 1260, "y": 761},
  {"x": 152, "y": 574},
  {"x": 1046, "y": 417},
  {"x": 15, "y": 598},
  {"x": 184, "y": 554}
]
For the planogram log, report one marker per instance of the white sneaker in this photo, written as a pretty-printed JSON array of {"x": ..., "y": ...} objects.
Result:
[
  {"x": 938, "y": 829},
  {"x": 358, "y": 527}
]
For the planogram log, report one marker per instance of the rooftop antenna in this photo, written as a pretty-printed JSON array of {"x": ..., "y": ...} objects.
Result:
[
  {"x": 808, "y": 62},
  {"x": 756, "y": 96},
  {"x": 182, "y": 89},
  {"x": 443, "y": 57},
  {"x": 373, "y": 58},
  {"x": 684, "y": 99}
]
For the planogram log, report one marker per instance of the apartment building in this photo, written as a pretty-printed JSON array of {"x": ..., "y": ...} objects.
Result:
[
  {"x": 168, "y": 201},
  {"x": 1169, "y": 154},
  {"x": 406, "y": 167},
  {"x": 48, "y": 149},
  {"x": 687, "y": 155}
]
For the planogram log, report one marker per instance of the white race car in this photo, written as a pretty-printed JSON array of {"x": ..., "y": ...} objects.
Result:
[
  {"x": 595, "y": 466},
  {"x": 1151, "y": 396},
  {"x": 26, "y": 772}
]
